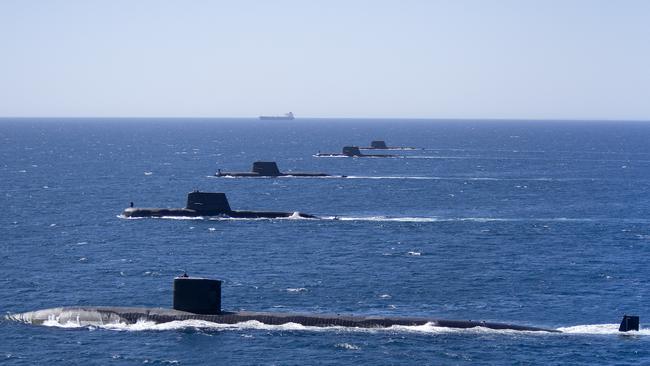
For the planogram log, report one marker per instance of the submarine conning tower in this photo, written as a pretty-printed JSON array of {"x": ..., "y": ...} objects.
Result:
[
  {"x": 266, "y": 168},
  {"x": 629, "y": 322},
  {"x": 351, "y": 151},
  {"x": 197, "y": 295},
  {"x": 207, "y": 201},
  {"x": 378, "y": 144}
]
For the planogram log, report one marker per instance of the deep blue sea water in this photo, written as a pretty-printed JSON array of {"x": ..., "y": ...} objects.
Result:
[{"x": 536, "y": 223}]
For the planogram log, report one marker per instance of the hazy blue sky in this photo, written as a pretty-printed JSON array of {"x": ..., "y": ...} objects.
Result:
[{"x": 428, "y": 59}]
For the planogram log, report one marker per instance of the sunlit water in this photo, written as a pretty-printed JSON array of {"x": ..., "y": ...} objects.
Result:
[{"x": 535, "y": 223}]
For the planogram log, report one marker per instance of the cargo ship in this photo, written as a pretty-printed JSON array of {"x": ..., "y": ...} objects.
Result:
[{"x": 286, "y": 117}]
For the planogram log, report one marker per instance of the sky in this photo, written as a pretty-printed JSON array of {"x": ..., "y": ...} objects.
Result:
[{"x": 519, "y": 59}]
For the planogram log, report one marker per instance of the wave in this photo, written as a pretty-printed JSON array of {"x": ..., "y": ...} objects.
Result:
[
  {"x": 163, "y": 217},
  {"x": 416, "y": 219},
  {"x": 421, "y": 219},
  {"x": 480, "y": 157},
  {"x": 537, "y": 179},
  {"x": 454, "y": 219},
  {"x": 330, "y": 156},
  {"x": 348, "y": 346},
  {"x": 477, "y": 157},
  {"x": 517, "y": 151},
  {"x": 144, "y": 325},
  {"x": 540, "y": 179},
  {"x": 601, "y": 329},
  {"x": 396, "y": 177},
  {"x": 296, "y": 216},
  {"x": 429, "y": 328},
  {"x": 297, "y": 289},
  {"x": 381, "y": 218}
]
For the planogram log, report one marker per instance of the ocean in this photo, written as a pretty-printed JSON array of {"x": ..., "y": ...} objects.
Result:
[{"x": 540, "y": 223}]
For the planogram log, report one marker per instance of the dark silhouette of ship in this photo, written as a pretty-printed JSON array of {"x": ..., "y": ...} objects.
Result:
[
  {"x": 207, "y": 204},
  {"x": 270, "y": 169},
  {"x": 287, "y": 116},
  {"x": 381, "y": 145},
  {"x": 355, "y": 152},
  {"x": 200, "y": 299}
]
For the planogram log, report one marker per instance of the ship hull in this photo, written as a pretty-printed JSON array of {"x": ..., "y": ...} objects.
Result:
[
  {"x": 258, "y": 175},
  {"x": 276, "y": 118},
  {"x": 106, "y": 315},
  {"x": 184, "y": 212},
  {"x": 355, "y": 156}
]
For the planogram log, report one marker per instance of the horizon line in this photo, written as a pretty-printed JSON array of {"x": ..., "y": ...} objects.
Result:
[{"x": 342, "y": 118}]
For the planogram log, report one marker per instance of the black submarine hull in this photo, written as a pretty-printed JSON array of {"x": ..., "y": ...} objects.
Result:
[
  {"x": 381, "y": 145},
  {"x": 269, "y": 169},
  {"x": 390, "y": 148},
  {"x": 354, "y": 152},
  {"x": 129, "y": 315},
  {"x": 321, "y": 155},
  {"x": 208, "y": 204},
  {"x": 184, "y": 212},
  {"x": 290, "y": 174}
]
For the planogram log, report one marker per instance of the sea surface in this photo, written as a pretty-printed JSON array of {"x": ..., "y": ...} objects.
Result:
[{"x": 541, "y": 223}]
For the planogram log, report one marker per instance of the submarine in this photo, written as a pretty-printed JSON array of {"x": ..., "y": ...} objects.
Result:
[
  {"x": 270, "y": 169},
  {"x": 355, "y": 152},
  {"x": 381, "y": 145},
  {"x": 208, "y": 204},
  {"x": 196, "y": 298}
]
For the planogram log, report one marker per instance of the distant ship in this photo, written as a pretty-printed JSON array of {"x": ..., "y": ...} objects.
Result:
[
  {"x": 270, "y": 169},
  {"x": 287, "y": 116}
]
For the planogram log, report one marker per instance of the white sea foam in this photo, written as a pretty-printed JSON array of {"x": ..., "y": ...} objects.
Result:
[
  {"x": 382, "y": 218},
  {"x": 417, "y": 219},
  {"x": 162, "y": 217},
  {"x": 415, "y": 177},
  {"x": 513, "y": 179},
  {"x": 69, "y": 324},
  {"x": 348, "y": 346},
  {"x": 393, "y": 177},
  {"x": 428, "y": 328},
  {"x": 604, "y": 329},
  {"x": 444, "y": 157},
  {"x": 256, "y": 325},
  {"x": 226, "y": 218},
  {"x": 295, "y": 215},
  {"x": 297, "y": 289},
  {"x": 179, "y": 217},
  {"x": 329, "y": 156}
]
